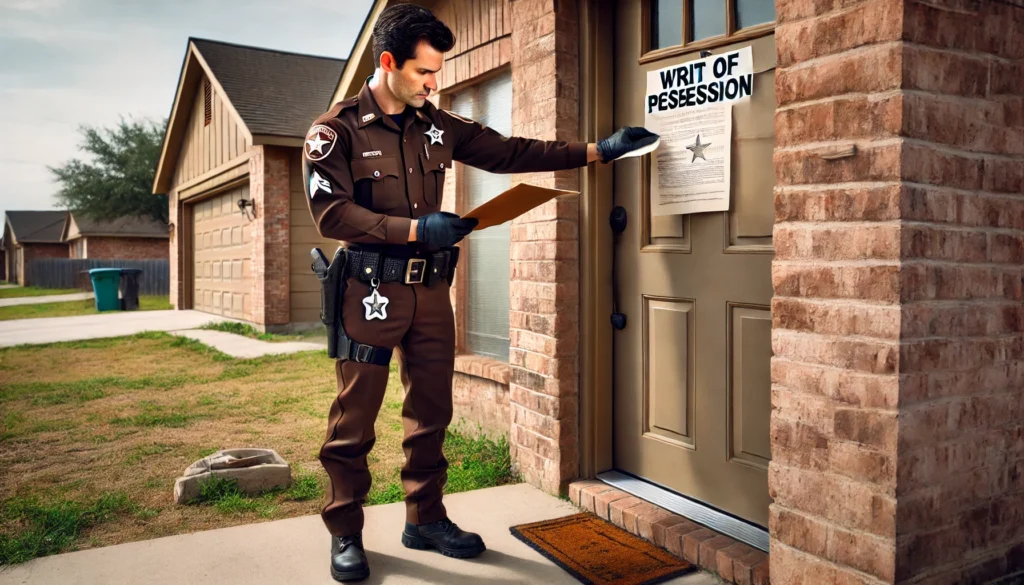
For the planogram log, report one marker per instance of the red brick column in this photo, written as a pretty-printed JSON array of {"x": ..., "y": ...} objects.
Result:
[
  {"x": 271, "y": 249},
  {"x": 898, "y": 377},
  {"x": 545, "y": 250}
]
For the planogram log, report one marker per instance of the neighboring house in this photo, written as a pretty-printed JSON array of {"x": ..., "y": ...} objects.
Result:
[
  {"x": 240, "y": 230},
  {"x": 842, "y": 343},
  {"x": 30, "y": 235},
  {"x": 3, "y": 261},
  {"x": 126, "y": 238}
]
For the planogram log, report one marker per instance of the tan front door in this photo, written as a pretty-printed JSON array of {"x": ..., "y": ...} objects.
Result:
[
  {"x": 221, "y": 240},
  {"x": 692, "y": 388}
]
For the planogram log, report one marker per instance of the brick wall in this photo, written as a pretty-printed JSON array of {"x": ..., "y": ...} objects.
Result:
[
  {"x": 480, "y": 396},
  {"x": 545, "y": 250},
  {"x": 126, "y": 248},
  {"x": 271, "y": 248},
  {"x": 898, "y": 377}
]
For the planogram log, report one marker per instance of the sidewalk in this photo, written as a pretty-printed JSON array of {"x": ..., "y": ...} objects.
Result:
[
  {"x": 45, "y": 299},
  {"x": 113, "y": 324},
  {"x": 246, "y": 347},
  {"x": 297, "y": 551}
]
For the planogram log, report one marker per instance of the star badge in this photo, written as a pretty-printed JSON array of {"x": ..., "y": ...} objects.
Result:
[
  {"x": 435, "y": 135},
  {"x": 376, "y": 306},
  {"x": 319, "y": 142},
  {"x": 698, "y": 149}
]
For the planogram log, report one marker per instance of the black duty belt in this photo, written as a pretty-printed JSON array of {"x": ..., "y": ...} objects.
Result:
[{"x": 401, "y": 264}]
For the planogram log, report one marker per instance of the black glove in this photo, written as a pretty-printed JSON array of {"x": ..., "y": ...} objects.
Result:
[
  {"x": 442, "y": 229},
  {"x": 627, "y": 139}
]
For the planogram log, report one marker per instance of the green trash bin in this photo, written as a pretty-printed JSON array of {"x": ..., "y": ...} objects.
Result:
[{"x": 105, "y": 283}]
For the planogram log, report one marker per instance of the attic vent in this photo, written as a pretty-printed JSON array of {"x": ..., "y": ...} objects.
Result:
[{"x": 207, "y": 102}]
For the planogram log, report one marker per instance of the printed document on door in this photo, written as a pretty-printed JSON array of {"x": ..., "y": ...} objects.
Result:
[
  {"x": 690, "y": 106},
  {"x": 690, "y": 172}
]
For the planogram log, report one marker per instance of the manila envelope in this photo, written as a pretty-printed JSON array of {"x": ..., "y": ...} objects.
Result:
[{"x": 513, "y": 203}]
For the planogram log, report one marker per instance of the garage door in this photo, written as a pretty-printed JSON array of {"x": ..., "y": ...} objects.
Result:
[{"x": 221, "y": 249}]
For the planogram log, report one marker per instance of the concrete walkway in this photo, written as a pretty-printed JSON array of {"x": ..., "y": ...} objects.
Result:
[
  {"x": 45, "y": 299},
  {"x": 297, "y": 551},
  {"x": 113, "y": 324},
  {"x": 2, "y": 286},
  {"x": 246, "y": 347}
]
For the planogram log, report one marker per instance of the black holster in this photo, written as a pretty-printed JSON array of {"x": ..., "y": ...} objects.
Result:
[
  {"x": 332, "y": 279},
  {"x": 332, "y": 290}
]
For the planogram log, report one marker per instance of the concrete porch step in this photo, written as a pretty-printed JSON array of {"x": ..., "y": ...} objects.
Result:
[{"x": 296, "y": 551}]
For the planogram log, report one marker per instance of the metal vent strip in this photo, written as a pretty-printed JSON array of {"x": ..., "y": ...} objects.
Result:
[{"x": 719, "y": 522}]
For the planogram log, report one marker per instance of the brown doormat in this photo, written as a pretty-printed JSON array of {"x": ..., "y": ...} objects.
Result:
[{"x": 599, "y": 553}]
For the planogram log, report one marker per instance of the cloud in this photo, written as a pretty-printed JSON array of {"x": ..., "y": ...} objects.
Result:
[{"x": 90, "y": 62}]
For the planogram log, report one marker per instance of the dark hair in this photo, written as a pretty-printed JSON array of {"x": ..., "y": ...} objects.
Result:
[{"x": 401, "y": 27}]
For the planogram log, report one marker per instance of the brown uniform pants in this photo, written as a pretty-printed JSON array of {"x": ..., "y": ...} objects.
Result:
[{"x": 420, "y": 322}]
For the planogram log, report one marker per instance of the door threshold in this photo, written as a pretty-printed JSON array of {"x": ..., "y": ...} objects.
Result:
[{"x": 742, "y": 531}]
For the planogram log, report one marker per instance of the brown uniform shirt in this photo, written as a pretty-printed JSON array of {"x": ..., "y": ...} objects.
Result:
[{"x": 366, "y": 179}]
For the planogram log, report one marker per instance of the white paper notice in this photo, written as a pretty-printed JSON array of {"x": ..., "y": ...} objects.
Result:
[
  {"x": 690, "y": 107},
  {"x": 690, "y": 172}
]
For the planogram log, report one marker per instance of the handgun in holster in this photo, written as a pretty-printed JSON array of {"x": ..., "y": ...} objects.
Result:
[{"x": 332, "y": 293}]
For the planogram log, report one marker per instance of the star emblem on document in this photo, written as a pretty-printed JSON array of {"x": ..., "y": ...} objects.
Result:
[
  {"x": 698, "y": 149},
  {"x": 435, "y": 135}
]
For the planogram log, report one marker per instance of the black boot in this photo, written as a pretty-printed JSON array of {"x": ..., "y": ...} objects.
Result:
[
  {"x": 444, "y": 536},
  {"x": 348, "y": 561}
]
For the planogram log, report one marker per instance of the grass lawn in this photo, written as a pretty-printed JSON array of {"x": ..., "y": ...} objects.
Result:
[
  {"x": 244, "y": 329},
  {"x": 73, "y": 308},
  {"x": 90, "y": 449},
  {"x": 32, "y": 291}
]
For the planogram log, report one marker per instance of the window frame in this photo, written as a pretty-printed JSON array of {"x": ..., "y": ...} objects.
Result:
[
  {"x": 461, "y": 206},
  {"x": 732, "y": 35}
]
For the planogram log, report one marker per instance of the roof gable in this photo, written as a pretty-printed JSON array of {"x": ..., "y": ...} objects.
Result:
[
  {"x": 44, "y": 227},
  {"x": 360, "y": 63},
  {"x": 275, "y": 92},
  {"x": 267, "y": 94}
]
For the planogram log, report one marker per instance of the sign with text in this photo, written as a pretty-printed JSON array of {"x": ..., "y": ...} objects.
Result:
[{"x": 690, "y": 107}]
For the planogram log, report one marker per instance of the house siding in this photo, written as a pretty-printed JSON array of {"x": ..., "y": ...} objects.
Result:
[{"x": 208, "y": 146}]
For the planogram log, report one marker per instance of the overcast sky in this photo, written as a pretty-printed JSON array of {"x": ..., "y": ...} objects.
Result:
[{"x": 66, "y": 63}]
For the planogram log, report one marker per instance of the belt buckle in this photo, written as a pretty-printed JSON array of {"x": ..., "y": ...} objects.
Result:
[
  {"x": 415, "y": 270},
  {"x": 363, "y": 354}
]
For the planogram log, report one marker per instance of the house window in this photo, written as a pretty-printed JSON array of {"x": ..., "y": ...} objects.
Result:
[
  {"x": 207, "y": 102},
  {"x": 487, "y": 272},
  {"x": 693, "y": 24}
]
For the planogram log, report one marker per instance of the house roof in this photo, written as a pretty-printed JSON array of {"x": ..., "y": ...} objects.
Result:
[
  {"x": 39, "y": 227},
  {"x": 122, "y": 227},
  {"x": 274, "y": 92},
  {"x": 273, "y": 96}
]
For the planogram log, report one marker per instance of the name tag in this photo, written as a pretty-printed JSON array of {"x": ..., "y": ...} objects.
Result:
[{"x": 372, "y": 153}]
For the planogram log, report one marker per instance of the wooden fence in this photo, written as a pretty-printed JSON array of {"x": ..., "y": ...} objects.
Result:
[{"x": 74, "y": 273}]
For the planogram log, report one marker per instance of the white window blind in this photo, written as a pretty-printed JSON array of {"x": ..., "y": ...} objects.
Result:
[{"x": 487, "y": 274}]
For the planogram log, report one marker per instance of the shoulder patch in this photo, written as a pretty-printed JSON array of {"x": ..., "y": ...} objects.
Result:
[
  {"x": 458, "y": 117},
  {"x": 320, "y": 141}
]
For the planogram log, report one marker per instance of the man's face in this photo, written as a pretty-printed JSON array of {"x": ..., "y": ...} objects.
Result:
[{"x": 413, "y": 83}]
